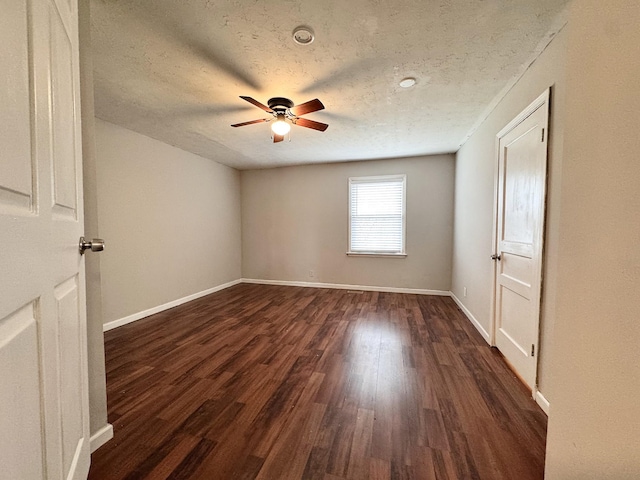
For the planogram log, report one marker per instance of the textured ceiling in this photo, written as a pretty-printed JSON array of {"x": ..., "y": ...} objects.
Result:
[{"x": 173, "y": 70}]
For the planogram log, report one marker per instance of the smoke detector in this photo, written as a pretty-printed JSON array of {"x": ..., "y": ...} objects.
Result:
[{"x": 303, "y": 35}]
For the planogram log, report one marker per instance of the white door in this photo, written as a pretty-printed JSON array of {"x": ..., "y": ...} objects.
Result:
[
  {"x": 44, "y": 427},
  {"x": 521, "y": 187}
]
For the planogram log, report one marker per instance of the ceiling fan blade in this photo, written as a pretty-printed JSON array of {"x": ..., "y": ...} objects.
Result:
[
  {"x": 307, "y": 107},
  {"x": 277, "y": 138},
  {"x": 304, "y": 122},
  {"x": 257, "y": 103},
  {"x": 251, "y": 122}
]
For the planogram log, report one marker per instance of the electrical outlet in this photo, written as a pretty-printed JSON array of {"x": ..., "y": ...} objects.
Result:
[
  {"x": 464, "y": 293},
  {"x": 312, "y": 274}
]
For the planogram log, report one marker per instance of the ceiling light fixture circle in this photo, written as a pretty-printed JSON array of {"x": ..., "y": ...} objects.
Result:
[
  {"x": 407, "y": 82},
  {"x": 280, "y": 126},
  {"x": 303, "y": 35}
]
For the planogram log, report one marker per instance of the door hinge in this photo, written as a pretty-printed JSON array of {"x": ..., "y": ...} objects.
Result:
[
  {"x": 542, "y": 138},
  {"x": 533, "y": 349}
]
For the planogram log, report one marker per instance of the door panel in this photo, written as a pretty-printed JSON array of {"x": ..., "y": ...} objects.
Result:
[
  {"x": 43, "y": 371},
  {"x": 522, "y": 161},
  {"x": 516, "y": 268},
  {"x": 514, "y": 325},
  {"x": 16, "y": 175},
  {"x": 20, "y": 394},
  {"x": 520, "y": 185},
  {"x": 63, "y": 104}
]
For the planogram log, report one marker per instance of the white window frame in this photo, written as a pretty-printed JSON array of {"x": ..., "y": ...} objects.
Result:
[{"x": 381, "y": 178}]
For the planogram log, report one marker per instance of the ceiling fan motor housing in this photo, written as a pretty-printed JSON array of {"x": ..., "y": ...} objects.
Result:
[{"x": 279, "y": 104}]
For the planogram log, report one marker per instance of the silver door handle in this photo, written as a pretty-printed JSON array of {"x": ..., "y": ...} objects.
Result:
[
  {"x": 96, "y": 245},
  {"x": 495, "y": 256}
]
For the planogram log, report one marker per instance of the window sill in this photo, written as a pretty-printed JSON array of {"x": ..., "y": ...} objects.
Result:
[{"x": 374, "y": 254}]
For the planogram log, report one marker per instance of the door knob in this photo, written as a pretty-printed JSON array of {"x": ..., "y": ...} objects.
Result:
[
  {"x": 96, "y": 245},
  {"x": 495, "y": 256}
]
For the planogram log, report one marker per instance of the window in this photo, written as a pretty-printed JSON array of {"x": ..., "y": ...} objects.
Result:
[{"x": 377, "y": 215}]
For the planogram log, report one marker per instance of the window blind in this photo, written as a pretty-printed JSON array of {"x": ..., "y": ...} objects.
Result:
[{"x": 377, "y": 214}]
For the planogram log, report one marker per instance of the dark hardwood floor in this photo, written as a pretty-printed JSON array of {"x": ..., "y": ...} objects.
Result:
[{"x": 275, "y": 383}]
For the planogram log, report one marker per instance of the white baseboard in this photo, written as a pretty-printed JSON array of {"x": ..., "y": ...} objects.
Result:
[
  {"x": 472, "y": 319},
  {"x": 101, "y": 437},
  {"x": 137, "y": 316},
  {"x": 341, "y": 286},
  {"x": 542, "y": 402}
]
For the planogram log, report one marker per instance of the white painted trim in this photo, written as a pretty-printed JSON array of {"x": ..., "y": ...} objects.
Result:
[
  {"x": 494, "y": 245},
  {"x": 341, "y": 286},
  {"x": 472, "y": 319},
  {"x": 160, "y": 308},
  {"x": 101, "y": 437},
  {"x": 541, "y": 101},
  {"x": 541, "y": 401}
]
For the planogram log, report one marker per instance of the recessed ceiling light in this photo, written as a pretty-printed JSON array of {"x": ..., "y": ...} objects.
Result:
[
  {"x": 303, "y": 35},
  {"x": 407, "y": 82}
]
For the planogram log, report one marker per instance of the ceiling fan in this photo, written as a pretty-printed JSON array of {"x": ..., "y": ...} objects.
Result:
[{"x": 284, "y": 112}]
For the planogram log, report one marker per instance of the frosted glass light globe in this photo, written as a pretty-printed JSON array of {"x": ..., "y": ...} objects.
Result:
[{"x": 280, "y": 127}]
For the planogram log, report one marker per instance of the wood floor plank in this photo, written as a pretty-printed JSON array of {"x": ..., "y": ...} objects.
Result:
[
  {"x": 165, "y": 459},
  {"x": 273, "y": 382}
]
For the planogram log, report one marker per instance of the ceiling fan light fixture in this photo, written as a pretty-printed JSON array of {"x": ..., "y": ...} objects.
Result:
[
  {"x": 284, "y": 113},
  {"x": 303, "y": 35},
  {"x": 280, "y": 126}
]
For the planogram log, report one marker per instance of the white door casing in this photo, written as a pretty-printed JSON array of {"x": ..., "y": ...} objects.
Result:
[
  {"x": 519, "y": 235},
  {"x": 44, "y": 423}
]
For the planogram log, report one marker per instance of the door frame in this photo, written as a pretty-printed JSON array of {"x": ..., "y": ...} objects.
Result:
[{"x": 543, "y": 101}]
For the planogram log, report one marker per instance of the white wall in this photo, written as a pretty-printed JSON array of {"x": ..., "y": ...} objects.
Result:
[
  {"x": 170, "y": 219},
  {"x": 474, "y": 201},
  {"x": 594, "y": 426},
  {"x": 295, "y": 219}
]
